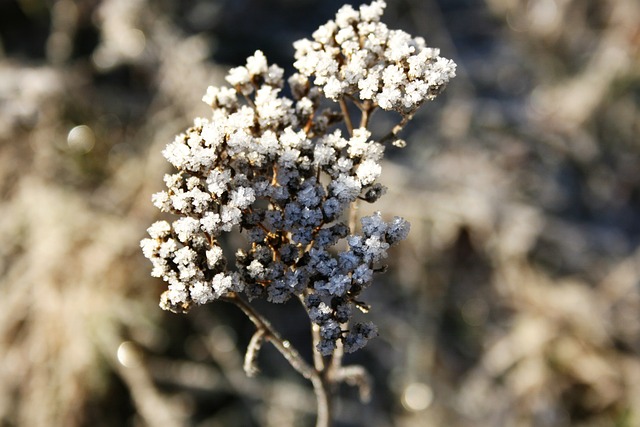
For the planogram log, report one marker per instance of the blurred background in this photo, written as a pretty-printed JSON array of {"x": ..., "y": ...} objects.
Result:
[{"x": 515, "y": 302}]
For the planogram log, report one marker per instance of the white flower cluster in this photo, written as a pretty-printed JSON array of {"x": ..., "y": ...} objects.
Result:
[
  {"x": 274, "y": 169},
  {"x": 356, "y": 55}
]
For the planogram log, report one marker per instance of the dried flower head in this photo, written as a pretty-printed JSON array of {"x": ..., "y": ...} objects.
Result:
[
  {"x": 272, "y": 168},
  {"x": 357, "y": 56}
]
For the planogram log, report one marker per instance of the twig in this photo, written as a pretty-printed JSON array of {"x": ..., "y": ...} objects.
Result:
[
  {"x": 347, "y": 117},
  {"x": 318, "y": 360},
  {"x": 367, "y": 109},
  {"x": 251, "y": 357},
  {"x": 393, "y": 134},
  {"x": 321, "y": 384},
  {"x": 271, "y": 335},
  {"x": 356, "y": 375}
]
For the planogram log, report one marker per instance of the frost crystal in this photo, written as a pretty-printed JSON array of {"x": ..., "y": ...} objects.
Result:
[{"x": 391, "y": 68}]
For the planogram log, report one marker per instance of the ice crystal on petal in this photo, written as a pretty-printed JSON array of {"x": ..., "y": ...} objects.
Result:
[
  {"x": 214, "y": 255},
  {"x": 357, "y": 55},
  {"x": 359, "y": 336},
  {"x": 201, "y": 292},
  {"x": 159, "y": 229}
]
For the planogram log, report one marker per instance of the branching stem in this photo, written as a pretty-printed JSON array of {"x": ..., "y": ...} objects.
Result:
[
  {"x": 321, "y": 383},
  {"x": 367, "y": 109}
]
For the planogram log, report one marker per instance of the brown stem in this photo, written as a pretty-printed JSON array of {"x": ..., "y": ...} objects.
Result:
[
  {"x": 356, "y": 375},
  {"x": 251, "y": 357},
  {"x": 336, "y": 359},
  {"x": 318, "y": 360},
  {"x": 347, "y": 117},
  {"x": 353, "y": 216},
  {"x": 271, "y": 335},
  {"x": 322, "y": 389},
  {"x": 367, "y": 109},
  {"x": 246, "y": 97},
  {"x": 397, "y": 128},
  {"x": 321, "y": 384}
]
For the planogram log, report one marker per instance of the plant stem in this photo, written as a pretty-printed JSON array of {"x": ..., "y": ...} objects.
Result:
[
  {"x": 318, "y": 360},
  {"x": 367, "y": 109},
  {"x": 397, "y": 128},
  {"x": 347, "y": 117},
  {"x": 322, "y": 384},
  {"x": 322, "y": 388}
]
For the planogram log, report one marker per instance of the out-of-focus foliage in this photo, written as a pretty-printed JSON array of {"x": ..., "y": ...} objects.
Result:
[{"x": 516, "y": 300}]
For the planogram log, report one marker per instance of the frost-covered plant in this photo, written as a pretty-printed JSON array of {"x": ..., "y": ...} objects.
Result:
[{"x": 282, "y": 172}]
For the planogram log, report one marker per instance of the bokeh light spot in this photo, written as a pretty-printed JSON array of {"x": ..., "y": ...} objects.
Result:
[
  {"x": 128, "y": 354},
  {"x": 81, "y": 138},
  {"x": 417, "y": 397}
]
